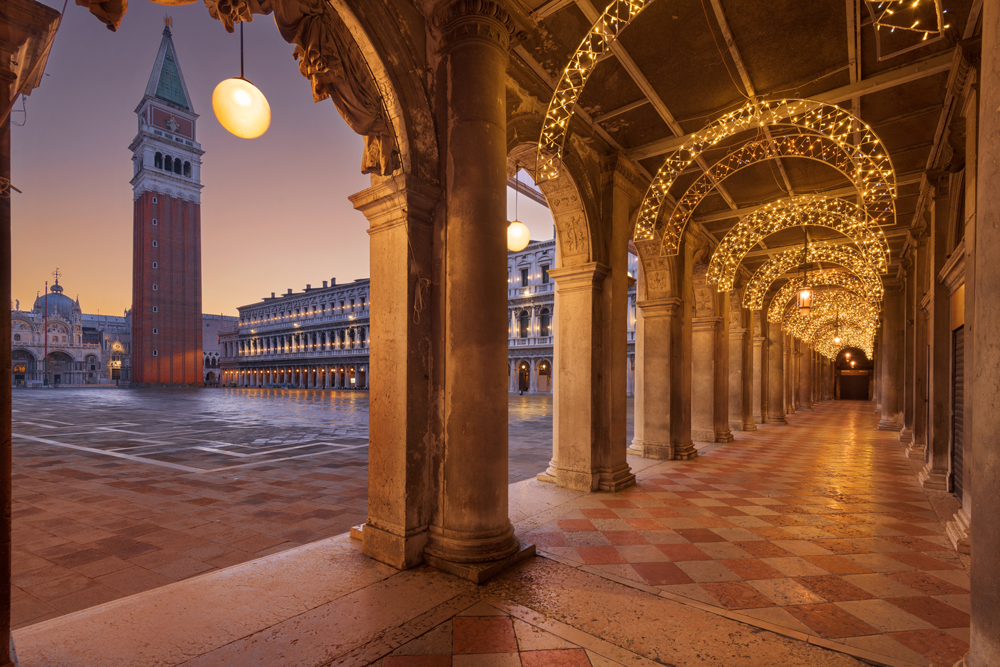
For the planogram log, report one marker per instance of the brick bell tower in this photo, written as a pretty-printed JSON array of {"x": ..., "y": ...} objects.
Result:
[{"x": 166, "y": 260}]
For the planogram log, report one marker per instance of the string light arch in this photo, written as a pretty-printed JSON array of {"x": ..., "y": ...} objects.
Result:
[
  {"x": 826, "y": 278},
  {"x": 837, "y": 214},
  {"x": 776, "y": 267},
  {"x": 877, "y": 195},
  {"x": 841, "y": 307},
  {"x": 616, "y": 16}
]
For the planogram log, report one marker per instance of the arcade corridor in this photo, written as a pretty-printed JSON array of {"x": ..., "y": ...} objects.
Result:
[{"x": 816, "y": 532}]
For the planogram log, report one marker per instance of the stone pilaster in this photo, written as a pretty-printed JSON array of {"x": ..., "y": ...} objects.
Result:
[
  {"x": 909, "y": 351},
  {"x": 775, "y": 407},
  {"x": 759, "y": 354},
  {"x": 892, "y": 341},
  {"x": 657, "y": 333},
  {"x": 740, "y": 380}
]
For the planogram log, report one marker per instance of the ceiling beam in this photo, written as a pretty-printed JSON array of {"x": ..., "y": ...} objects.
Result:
[
  {"x": 551, "y": 7},
  {"x": 528, "y": 191},
  {"x": 600, "y": 118},
  {"x": 941, "y": 62}
]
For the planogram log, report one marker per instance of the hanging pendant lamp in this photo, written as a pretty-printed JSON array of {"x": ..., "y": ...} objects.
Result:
[
  {"x": 518, "y": 235},
  {"x": 240, "y": 106},
  {"x": 805, "y": 294},
  {"x": 836, "y": 335}
]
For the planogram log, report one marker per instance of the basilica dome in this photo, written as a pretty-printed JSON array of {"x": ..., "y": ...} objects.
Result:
[{"x": 59, "y": 303}]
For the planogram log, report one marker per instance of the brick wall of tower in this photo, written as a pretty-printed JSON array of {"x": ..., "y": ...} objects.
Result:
[{"x": 177, "y": 297}]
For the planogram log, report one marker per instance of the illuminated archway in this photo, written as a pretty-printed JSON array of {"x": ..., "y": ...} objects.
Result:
[
  {"x": 776, "y": 267},
  {"x": 825, "y": 278},
  {"x": 837, "y": 214}
]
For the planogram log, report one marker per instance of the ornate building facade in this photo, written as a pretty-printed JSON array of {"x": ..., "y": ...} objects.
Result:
[
  {"x": 318, "y": 338},
  {"x": 166, "y": 265}
]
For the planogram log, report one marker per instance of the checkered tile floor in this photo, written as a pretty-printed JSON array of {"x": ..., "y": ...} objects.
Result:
[
  {"x": 485, "y": 636},
  {"x": 819, "y": 526}
]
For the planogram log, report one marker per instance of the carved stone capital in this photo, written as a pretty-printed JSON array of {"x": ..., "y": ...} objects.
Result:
[{"x": 477, "y": 19}]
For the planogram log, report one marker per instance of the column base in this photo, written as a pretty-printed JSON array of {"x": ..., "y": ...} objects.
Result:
[
  {"x": 959, "y": 529},
  {"x": 775, "y": 420},
  {"x": 685, "y": 452},
  {"x": 703, "y": 435},
  {"x": 578, "y": 480},
  {"x": 930, "y": 478},
  {"x": 549, "y": 476},
  {"x": 399, "y": 551},
  {"x": 663, "y": 451},
  {"x": 905, "y": 435},
  {"x": 914, "y": 450},
  {"x": 887, "y": 425},
  {"x": 616, "y": 480},
  {"x": 466, "y": 548},
  {"x": 725, "y": 436},
  {"x": 749, "y": 426},
  {"x": 480, "y": 572}
]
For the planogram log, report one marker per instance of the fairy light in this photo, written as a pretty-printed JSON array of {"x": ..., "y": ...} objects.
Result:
[
  {"x": 819, "y": 279},
  {"x": 826, "y": 133},
  {"x": 837, "y": 214},
  {"x": 907, "y": 15},
  {"x": 600, "y": 37},
  {"x": 871, "y": 175},
  {"x": 776, "y": 267}
]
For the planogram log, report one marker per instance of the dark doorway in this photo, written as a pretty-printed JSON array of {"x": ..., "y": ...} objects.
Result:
[{"x": 854, "y": 386}]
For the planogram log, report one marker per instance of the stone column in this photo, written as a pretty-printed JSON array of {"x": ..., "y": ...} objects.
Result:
[
  {"x": 918, "y": 440},
  {"x": 909, "y": 350},
  {"x": 788, "y": 347},
  {"x": 775, "y": 407},
  {"x": 759, "y": 389},
  {"x": 984, "y": 650},
  {"x": 805, "y": 375},
  {"x": 657, "y": 362},
  {"x": 738, "y": 338},
  {"x": 938, "y": 451},
  {"x": 892, "y": 343},
  {"x": 710, "y": 380},
  {"x": 470, "y": 523},
  {"x": 402, "y": 434},
  {"x": 532, "y": 376}
]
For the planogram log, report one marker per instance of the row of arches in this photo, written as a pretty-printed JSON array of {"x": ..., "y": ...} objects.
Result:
[{"x": 172, "y": 164}]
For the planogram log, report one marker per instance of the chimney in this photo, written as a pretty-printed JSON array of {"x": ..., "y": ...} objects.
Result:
[
  {"x": 289, "y": 290},
  {"x": 272, "y": 295},
  {"x": 333, "y": 281},
  {"x": 324, "y": 283},
  {"x": 308, "y": 287}
]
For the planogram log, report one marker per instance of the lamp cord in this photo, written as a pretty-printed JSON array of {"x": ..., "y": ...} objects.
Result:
[{"x": 241, "y": 49}]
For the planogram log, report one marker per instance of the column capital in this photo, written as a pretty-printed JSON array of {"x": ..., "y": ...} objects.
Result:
[
  {"x": 397, "y": 200},
  {"x": 582, "y": 276},
  {"x": 705, "y": 323},
  {"x": 477, "y": 19},
  {"x": 659, "y": 307}
]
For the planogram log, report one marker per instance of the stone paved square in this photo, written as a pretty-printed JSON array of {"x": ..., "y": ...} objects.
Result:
[{"x": 118, "y": 491}]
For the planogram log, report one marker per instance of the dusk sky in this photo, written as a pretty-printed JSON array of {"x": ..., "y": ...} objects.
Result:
[{"x": 274, "y": 210}]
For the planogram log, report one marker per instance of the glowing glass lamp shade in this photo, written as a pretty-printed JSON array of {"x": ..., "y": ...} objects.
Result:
[
  {"x": 836, "y": 339},
  {"x": 241, "y": 108},
  {"x": 805, "y": 302},
  {"x": 518, "y": 236}
]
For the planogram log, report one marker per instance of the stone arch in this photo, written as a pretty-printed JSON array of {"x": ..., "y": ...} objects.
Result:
[
  {"x": 827, "y": 278},
  {"x": 571, "y": 202}
]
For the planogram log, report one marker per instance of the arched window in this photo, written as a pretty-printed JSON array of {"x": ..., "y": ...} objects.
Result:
[
  {"x": 187, "y": 168},
  {"x": 544, "y": 320},
  {"x": 524, "y": 322},
  {"x": 177, "y": 166},
  {"x": 17, "y": 337},
  {"x": 168, "y": 163},
  {"x": 158, "y": 160}
]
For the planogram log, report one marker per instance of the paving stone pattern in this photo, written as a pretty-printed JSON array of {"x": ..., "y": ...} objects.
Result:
[
  {"x": 118, "y": 491},
  {"x": 819, "y": 527}
]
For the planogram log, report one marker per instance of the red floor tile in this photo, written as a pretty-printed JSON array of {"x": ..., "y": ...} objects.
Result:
[
  {"x": 682, "y": 552},
  {"x": 763, "y": 549},
  {"x": 910, "y": 529},
  {"x": 935, "y": 612},
  {"x": 830, "y": 621},
  {"x": 661, "y": 574},
  {"x": 921, "y": 561},
  {"x": 617, "y": 504},
  {"x": 575, "y": 525},
  {"x": 837, "y": 564},
  {"x": 840, "y": 546},
  {"x": 834, "y": 588},
  {"x": 417, "y": 661},
  {"x": 927, "y": 583},
  {"x": 751, "y": 568},
  {"x": 736, "y": 595},
  {"x": 483, "y": 634},
  {"x": 663, "y": 512},
  {"x": 568, "y": 657},
  {"x": 644, "y": 524},
  {"x": 916, "y": 543},
  {"x": 696, "y": 535},
  {"x": 935, "y": 645},
  {"x": 624, "y": 537},
  {"x": 600, "y": 555},
  {"x": 599, "y": 513}
]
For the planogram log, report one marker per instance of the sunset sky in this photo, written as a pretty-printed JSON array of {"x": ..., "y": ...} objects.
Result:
[{"x": 274, "y": 210}]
